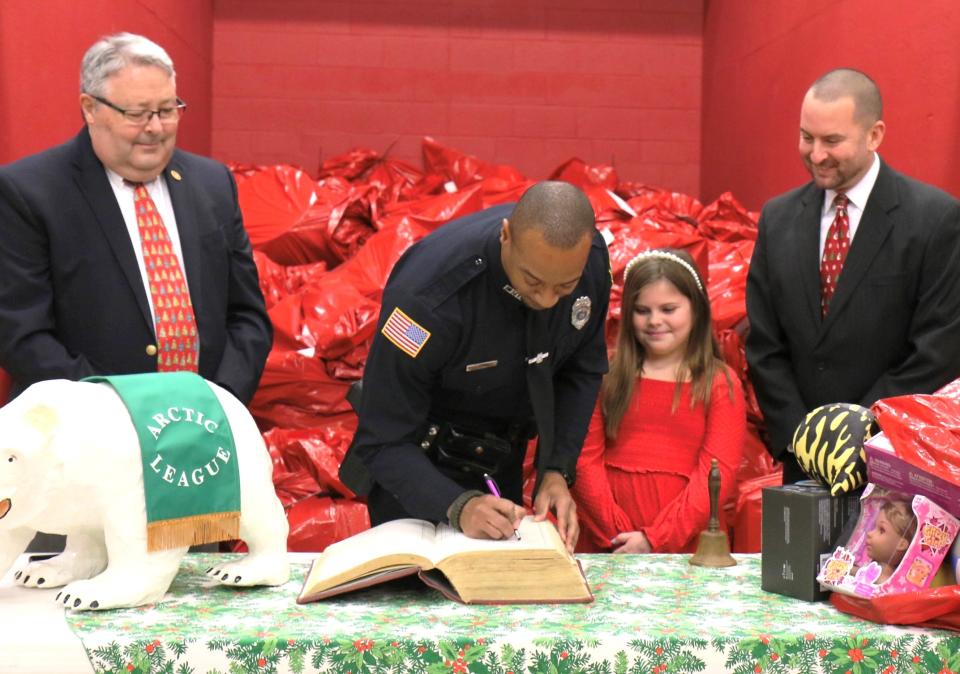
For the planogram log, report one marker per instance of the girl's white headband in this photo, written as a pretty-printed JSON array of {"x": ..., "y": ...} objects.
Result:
[{"x": 664, "y": 255}]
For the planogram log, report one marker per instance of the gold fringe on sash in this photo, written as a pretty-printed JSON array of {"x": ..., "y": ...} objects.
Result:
[{"x": 194, "y": 530}]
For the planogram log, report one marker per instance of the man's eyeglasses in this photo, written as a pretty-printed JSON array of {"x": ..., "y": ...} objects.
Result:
[{"x": 165, "y": 115}]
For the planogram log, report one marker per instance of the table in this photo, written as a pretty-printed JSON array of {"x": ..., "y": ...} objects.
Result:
[{"x": 652, "y": 613}]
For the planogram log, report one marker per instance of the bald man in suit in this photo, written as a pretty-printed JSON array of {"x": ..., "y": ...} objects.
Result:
[{"x": 889, "y": 323}]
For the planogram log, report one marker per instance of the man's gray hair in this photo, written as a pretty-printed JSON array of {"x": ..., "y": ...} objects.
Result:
[{"x": 113, "y": 53}]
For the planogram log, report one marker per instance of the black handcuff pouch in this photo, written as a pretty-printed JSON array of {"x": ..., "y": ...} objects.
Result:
[{"x": 464, "y": 451}]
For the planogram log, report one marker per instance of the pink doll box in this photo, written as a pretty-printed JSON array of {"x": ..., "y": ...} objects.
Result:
[
  {"x": 886, "y": 469},
  {"x": 936, "y": 530}
]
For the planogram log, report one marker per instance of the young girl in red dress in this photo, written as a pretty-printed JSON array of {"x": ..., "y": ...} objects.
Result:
[{"x": 667, "y": 407}]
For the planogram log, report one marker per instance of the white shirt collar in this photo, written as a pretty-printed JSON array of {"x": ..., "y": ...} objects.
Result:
[
  {"x": 119, "y": 181},
  {"x": 859, "y": 193}
]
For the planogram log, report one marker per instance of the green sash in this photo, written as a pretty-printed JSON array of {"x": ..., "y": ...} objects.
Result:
[{"x": 191, "y": 479}]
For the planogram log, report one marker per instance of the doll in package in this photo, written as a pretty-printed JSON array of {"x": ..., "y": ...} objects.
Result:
[{"x": 897, "y": 545}]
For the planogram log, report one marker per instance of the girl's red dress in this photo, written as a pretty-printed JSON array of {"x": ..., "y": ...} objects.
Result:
[{"x": 653, "y": 477}]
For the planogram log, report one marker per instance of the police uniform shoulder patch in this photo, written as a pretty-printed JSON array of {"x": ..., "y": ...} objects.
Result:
[
  {"x": 405, "y": 333},
  {"x": 580, "y": 313}
]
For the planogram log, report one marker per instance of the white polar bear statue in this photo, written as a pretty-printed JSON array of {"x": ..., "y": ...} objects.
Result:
[{"x": 70, "y": 464}]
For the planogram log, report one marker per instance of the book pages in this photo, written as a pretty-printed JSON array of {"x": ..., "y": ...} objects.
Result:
[
  {"x": 399, "y": 537},
  {"x": 533, "y": 536}
]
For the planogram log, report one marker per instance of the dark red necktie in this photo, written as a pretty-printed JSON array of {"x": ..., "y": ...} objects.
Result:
[
  {"x": 834, "y": 252},
  {"x": 173, "y": 311}
]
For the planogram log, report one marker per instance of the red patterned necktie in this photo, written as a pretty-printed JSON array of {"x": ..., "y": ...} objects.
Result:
[
  {"x": 173, "y": 311},
  {"x": 834, "y": 252}
]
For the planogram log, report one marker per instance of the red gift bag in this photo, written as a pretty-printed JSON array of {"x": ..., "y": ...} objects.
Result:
[
  {"x": 925, "y": 430},
  {"x": 937, "y": 607}
]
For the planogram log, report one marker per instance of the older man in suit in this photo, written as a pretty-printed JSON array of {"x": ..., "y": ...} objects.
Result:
[
  {"x": 853, "y": 292},
  {"x": 121, "y": 254}
]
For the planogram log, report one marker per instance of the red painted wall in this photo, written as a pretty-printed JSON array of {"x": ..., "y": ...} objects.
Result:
[
  {"x": 529, "y": 83},
  {"x": 760, "y": 58},
  {"x": 42, "y": 42}
]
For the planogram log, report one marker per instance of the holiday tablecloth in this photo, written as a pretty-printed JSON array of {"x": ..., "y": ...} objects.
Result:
[{"x": 653, "y": 613}]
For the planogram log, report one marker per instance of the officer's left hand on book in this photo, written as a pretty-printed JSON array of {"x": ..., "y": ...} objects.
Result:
[
  {"x": 490, "y": 517},
  {"x": 554, "y": 495}
]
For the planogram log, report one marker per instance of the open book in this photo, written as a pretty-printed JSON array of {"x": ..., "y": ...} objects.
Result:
[{"x": 534, "y": 569}]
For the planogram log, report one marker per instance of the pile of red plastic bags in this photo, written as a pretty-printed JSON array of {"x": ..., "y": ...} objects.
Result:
[{"x": 324, "y": 248}]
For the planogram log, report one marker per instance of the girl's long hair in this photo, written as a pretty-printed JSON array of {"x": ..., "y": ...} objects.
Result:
[{"x": 702, "y": 359}]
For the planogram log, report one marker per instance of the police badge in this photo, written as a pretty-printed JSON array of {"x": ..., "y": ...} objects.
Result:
[{"x": 580, "y": 313}]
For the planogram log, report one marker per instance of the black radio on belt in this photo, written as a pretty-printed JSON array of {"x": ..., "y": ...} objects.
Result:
[{"x": 466, "y": 451}]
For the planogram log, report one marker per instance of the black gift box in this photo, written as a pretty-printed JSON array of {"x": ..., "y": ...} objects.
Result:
[{"x": 802, "y": 524}]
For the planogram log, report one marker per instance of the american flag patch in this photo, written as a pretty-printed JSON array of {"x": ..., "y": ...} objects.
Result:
[{"x": 406, "y": 334}]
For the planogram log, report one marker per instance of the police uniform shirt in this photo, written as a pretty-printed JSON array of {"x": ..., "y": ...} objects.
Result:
[{"x": 451, "y": 345}]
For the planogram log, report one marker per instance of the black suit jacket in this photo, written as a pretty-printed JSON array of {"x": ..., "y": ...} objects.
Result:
[
  {"x": 893, "y": 326},
  {"x": 72, "y": 302}
]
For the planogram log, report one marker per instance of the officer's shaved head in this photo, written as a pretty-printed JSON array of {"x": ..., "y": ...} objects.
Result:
[
  {"x": 560, "y": 211},
  {"x": 842, "y": 82}
]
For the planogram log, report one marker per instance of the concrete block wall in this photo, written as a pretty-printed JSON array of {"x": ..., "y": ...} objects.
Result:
[{"x": 529, "y": 83}]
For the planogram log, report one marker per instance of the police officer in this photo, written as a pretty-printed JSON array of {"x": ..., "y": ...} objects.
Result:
[{"x": 491, "y": 332}]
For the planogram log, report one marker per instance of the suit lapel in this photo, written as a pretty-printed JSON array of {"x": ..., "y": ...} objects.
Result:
[
  {"x": 91, "y": 179},
  {"x": 807, "y": 257},
  {"x": 873, "y": 230},
  {"x": 185, "y": 210}
]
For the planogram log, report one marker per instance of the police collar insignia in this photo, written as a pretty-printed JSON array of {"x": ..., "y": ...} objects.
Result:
[
  {"x": 512, "y": 292},
  {"x": 580, "y": 313}
]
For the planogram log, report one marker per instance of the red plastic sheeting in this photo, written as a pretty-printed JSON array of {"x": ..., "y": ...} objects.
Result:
[
  {"x": 748, "y": 511},
  {"x": 925, "y": 429},
  {"x": 319, "y": 521},
  {"x": 306, "y": 461},
  {"x": 433, "y": 211},
  {"x": 577, "y": 172},
  {"x": 5, "y": 384},
  {"x": 298, "y": 390},
  {"x": 937, "y": 608},
  {"x": 462, "y": 169},
  {"x": 273, "y": 199},
  {"x": 331, "y": 317},
  {"x": 277, "y": 281},
  {"x": 325, "y": 247}
]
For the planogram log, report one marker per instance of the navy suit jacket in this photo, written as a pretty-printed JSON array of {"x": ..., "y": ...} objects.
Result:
[
  {"x": 893, "y": 327},
  {"x": 72, "y": 301}
]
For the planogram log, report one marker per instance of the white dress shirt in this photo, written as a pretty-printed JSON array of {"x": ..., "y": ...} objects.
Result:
[{"x": 858, "y": 195}]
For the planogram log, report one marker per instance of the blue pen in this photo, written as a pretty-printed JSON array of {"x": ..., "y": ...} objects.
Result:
[{"x": 492, "y": 486}]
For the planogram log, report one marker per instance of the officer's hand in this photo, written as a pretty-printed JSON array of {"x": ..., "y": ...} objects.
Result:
[
  {"x": 631, "y": 542},
  {"x": 554, "y": 495},
  {"x": 490, "y": 517}
]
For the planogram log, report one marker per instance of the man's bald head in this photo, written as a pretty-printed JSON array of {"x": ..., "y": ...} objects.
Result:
[
  {"x": 558, "y": 210},
  {"x": 842, "y": 82}
]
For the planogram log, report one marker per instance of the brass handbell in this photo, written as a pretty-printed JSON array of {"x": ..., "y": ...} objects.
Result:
[{"x": 713, "y": 550}]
